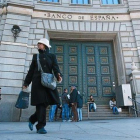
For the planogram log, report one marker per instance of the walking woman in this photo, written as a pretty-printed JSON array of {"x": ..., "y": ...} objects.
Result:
[{"x": 41, "y": 96}]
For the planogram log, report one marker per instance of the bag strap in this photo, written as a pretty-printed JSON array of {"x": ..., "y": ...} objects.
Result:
[{"x": 39, "y": 65}]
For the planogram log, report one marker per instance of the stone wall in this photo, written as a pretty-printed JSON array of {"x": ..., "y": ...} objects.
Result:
[{"x": 13, "y": 56}]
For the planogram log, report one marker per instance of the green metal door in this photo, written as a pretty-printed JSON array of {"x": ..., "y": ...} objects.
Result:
[{"x": 87, "y": 65}]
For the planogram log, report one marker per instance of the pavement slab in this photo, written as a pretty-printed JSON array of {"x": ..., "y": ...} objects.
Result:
[{"x": 119, "y": 129}]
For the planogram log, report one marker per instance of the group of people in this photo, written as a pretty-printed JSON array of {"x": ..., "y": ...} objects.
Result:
[{"x": 72, "y": 104}]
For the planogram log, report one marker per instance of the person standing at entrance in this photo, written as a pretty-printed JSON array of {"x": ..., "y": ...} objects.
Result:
[
  {"x": 73, "y": 101},
  {"x": 41, "y": 96},
  {"x": 65, "y": 106}
]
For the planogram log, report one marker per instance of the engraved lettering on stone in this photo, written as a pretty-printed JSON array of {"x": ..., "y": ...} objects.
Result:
[
  {"x": 58, "y": 16},
  {"x": 103, "y": 17},
  {"x": 81, "y": 17}
]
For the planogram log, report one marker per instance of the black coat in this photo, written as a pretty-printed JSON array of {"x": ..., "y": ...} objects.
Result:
[
  {"x": 39, "y": 93},
  {"x": 73, "y": 96},
  {"x": 79, "y": 101}
]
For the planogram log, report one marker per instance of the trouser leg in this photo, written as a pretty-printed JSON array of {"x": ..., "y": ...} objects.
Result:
[
  {"x": 63, "y": 112},
  {"x": 74, "y": 109},
  {"x": 67, "y": 111},
  {"x": 56, "y": 113},
  {"x": 50, "y": 113},
  {"x": 33, "y": 118},
  {"x": 41, "y": 115},
  {"x": 113, "y": 109},
  {"x": 53, "y": 111},
  {"x": 78, "y": 112},
  {"x": 80, "y": 115},
  {"x": 116, "y": 110}
]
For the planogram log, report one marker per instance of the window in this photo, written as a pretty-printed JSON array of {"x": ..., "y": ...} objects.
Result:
[
  {"x": 80, "y": 1},
  {"x": 51, "y": 0},
  {"x": 110, "y": 1}
]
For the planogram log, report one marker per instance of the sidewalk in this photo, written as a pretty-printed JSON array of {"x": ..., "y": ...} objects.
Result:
[{"x": 121, "y": 129}]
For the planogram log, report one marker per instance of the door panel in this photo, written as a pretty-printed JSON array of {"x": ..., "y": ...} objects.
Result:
[{"x": 88, "y": 66}]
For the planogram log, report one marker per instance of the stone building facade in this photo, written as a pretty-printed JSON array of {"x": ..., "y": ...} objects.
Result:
[{"x": 98, "y": 39}]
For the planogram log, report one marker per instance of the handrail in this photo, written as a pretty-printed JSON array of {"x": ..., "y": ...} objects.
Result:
[
  {"x": 133, "y": 107},
  {"x": 133, "y": 100}
]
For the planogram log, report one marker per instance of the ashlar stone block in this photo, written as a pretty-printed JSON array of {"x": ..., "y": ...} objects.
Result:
[
  {"x": 58, "y": 25},
  {"x": 40, "y": 25},
  {"x": 64, "y": 25},
  {"x": 122, "y": 28},
  {"x": 105, "y": 26},
  {"x": 11, "y": 75},
  {"x": 9, "y": 54},
  {"x": 13, "y": 48},
  {"x": 12, "y": 61},
  {"x": 128, "y": 53},
  {"x": 99, "y": 26},
  {"x": 93, "y": 26},
  {"x": 11, "y": 68},
  {"x": 76, "y": 26},
  {"x": 39, "y": 31},
  {"x": 117, "y": 27},
  {"x": 46, "y": 24},
  {"x": 126, "y": 45},
  {"x": 52, "y": 24},
  {"x": 87, "y": 26},
  {"x": 111, "y": 27},
  {"x": 127, "y": 59},
  {"x": 10, "y": 83},
  {"x": 70, "y": 25}
]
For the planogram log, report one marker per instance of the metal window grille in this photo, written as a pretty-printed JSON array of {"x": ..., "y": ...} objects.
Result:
[
  {"x": 110, "y": 1},
  {"x": 80, "y": 1},
  {"x": 51, "y": 0}
]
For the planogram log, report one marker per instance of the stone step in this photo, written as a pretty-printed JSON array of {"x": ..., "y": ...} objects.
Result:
[
  {"x": 107, "y": 118},
  {"x": 102, "y": 112}
]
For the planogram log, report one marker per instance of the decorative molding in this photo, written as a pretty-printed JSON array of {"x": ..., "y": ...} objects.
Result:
[
  {"x": 11, "y": 43},
  {"x": 17, "y": 44},
  {"x": 130, "y": 49},
  {"x": 20, "y": 10},
  {"x": 135, "y": 15},
  {"x": 68, "y": 16},
  {"x": 81, "y": 17}
]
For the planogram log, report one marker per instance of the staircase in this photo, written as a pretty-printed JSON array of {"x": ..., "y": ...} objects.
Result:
[{"x": 103, "y": 112}]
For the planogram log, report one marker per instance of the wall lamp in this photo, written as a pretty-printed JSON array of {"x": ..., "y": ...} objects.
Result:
[{"x": 15, "y": 30}]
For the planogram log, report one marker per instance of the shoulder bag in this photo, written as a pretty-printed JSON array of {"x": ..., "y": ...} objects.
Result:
[{"x": 47, "y": 79}]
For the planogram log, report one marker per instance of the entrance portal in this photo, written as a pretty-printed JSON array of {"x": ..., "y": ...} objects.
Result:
[{"x": 87, "y": 65}]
